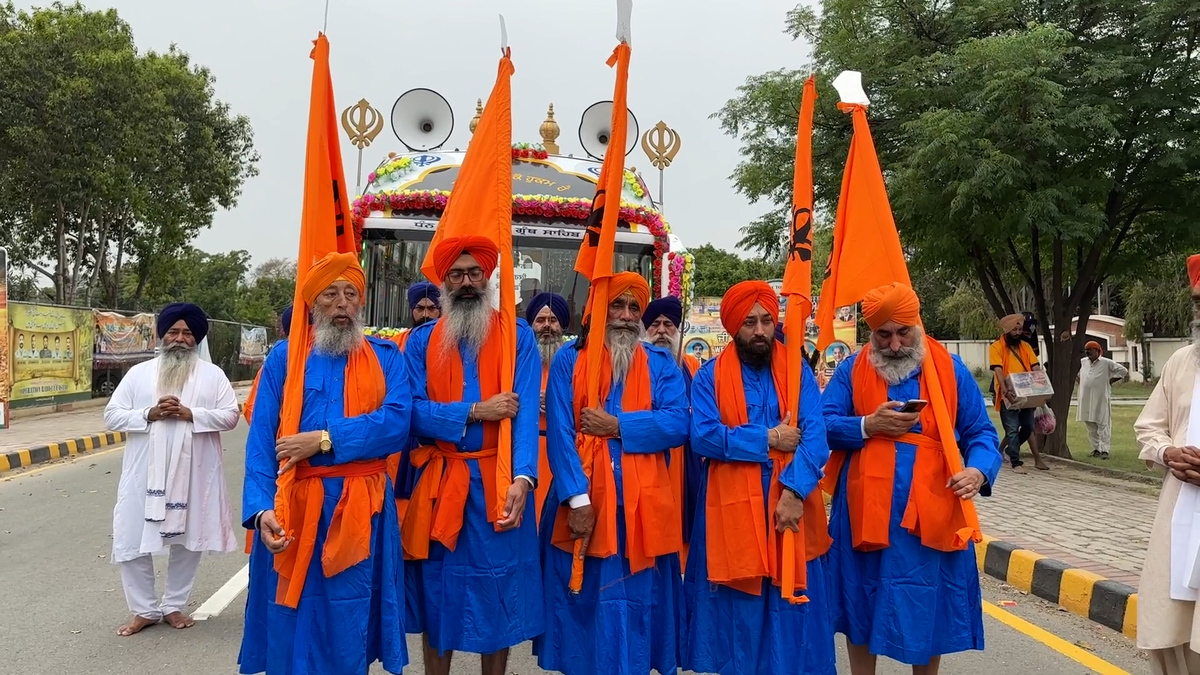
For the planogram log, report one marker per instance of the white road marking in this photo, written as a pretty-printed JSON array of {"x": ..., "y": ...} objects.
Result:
[{"x": 217, "y": 603}]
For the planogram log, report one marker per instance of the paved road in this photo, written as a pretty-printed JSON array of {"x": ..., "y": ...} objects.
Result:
[{"x": 61, "y": 600}]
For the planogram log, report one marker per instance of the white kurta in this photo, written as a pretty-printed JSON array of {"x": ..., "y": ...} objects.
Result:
[
  {"x": 1164, "y": 623},
  {"x": 214, "y": 409},
  {"x": 1095, "y": 389}
]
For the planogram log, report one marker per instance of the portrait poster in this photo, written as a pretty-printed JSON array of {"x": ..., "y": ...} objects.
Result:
[
  {"x": 51, "y": 353},
  {"x": 124, "y": 339},
  {"x": 253, "y": 348}
]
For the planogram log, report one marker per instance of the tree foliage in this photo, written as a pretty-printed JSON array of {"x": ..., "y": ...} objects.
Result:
[
  {"x": 1047, "y": 146},
  {"x": 717, "y": 270},
  {"x": 111, "y": 160},
  {"x": 1160, "y": 303}
]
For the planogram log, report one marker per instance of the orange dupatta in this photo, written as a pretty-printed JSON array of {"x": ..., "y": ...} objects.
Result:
[
  {"x": 941, "y": 520},
  {"x": 743, "y": 544},
  {"x": 651, "y": 522},
  {"x": 435, "y": 511}
]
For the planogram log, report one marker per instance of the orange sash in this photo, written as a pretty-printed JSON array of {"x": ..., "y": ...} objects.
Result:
[
  {"x": 248, "y": 406},
  {"x": 348, "y": 541},
  {"x": 651, "y": 512},
  {"x": 439, "y": 498},
  {"x": 942, "y": 520},
  {"x": 544, "y": 475},
  {"x": 743, "y": 544}
]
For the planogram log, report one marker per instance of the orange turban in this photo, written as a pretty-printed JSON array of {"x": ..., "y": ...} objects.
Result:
[
  {"x": 1012, "y": 322},
  {"x": 632, "y": 283},
  {"x": 332, "y": 267},
  {"x": 893, "y": 302},
  {"x": 484, "y": 250},
  {"x": 1093, "y": 345},
  {"x": 1194, "y": 270},
  {"x": 741, "y": 298}
]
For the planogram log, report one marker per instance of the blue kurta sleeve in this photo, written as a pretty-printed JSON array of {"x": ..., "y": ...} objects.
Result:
[
  {"x": 842, "y": 427},
  {"x": 262, "y": 469},
  {"x": 384, "y": 431},
  {"x": 441, "y": 421},
  {"x": 711, "y": 437},
  {"x": 569, "y": 479},
  {"x": 807, "y": 466},
  {"x": 978, "y": 441},
  {"x": 527, "y": 384},
  {"x": 665, "y": 425}
]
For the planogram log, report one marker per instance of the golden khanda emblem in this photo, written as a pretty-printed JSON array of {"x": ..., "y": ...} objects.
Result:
[
  {"x": 661, "y": 144},
  {"x": 362, "y": 123}
]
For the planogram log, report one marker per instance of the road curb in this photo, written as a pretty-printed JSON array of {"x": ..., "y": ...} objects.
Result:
[
  {"x": 19, "y": 459},
  {"x": 1087, "y": 594}
]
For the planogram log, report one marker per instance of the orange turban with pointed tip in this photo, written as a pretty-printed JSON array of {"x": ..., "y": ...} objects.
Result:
[
  {"x": 482, "y": 249},
  {"x": 741, "y": 298},
  {"x": 632, "y": 283},
  {"x": 1194, "y": 270},
  {"x": 331, "y": 268},
  {"x": 893, "y": 302}
]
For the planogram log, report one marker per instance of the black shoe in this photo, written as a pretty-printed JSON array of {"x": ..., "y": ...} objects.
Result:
[{"x": 1095, "y": 453}]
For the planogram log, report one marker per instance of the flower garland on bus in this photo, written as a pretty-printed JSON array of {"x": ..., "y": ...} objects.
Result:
[
  {"x": 529, "y": 151},
  {"x": 396, "y": 168},
  {"x": 634, "y": 185}
]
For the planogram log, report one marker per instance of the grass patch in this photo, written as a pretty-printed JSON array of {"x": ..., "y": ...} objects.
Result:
[{"x": 1124, "y": 455}]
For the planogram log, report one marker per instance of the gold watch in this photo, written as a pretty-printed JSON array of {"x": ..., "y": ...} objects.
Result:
[{"x": 326, "y": 443}]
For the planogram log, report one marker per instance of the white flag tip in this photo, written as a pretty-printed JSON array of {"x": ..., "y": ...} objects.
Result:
[
  {"x": 625, "y": 21},
  {"x": 849, "y": 87},
  {"x": 503, "y": 36}
]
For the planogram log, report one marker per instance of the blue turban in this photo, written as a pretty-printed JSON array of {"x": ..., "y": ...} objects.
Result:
[
  {"x": 193, "y": 316},
  {"x": 285, "y": 320},
  {"x": 668, "y": 306},
  {"x": 779, "y": 332},
  {"x": 421, "y": 290},
  {"x": 557, "y": 304}
]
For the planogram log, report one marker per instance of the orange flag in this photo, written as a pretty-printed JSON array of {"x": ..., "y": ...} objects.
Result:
[
  {"x": 797, "y": 285},
  {"x": 324, "y": 227},
  {"x": 481, "y": 204},
  {"x": 595, "y": 260},
  {"x": 866, "y": 246}
]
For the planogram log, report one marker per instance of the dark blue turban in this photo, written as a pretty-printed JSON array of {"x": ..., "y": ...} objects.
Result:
[
  {"x": 557, "y": 304},
  {"x": 779, "y": 332},
  {"x": 421, "y": 290},
  {"x": 193, "y": 316},
  {"x": 285, "y": 320},
  {"x": 668, "y": 306}
]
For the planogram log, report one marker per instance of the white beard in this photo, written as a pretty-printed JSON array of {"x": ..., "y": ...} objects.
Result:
[
  {"x": 1196, "y": 338},
  {"x": 334, "y": 340},
  {"x": 175, "y": 366},
  {"x": 466, "y": 321},
  {"x": 621, "y": 338},
  {"x": 548, "y": 346},
  {"x": 672, "y": 344},
  {"x": 898, "y": 367}
]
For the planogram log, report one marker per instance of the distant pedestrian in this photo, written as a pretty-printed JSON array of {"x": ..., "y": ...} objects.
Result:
[
  {"x": 1097, "y": 375},
  {"x": 1011, "y": 354},
  {"x": 171, "y": 496}
]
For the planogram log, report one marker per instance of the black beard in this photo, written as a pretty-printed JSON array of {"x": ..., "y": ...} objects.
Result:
[
  {"x": 421, "y": 322},
  {"x": 756, "y": 353},
  {"x": 1012, "y": 340}
]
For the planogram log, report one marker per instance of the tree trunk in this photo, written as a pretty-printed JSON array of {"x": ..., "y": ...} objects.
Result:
[{"x": 60, "y": 265}]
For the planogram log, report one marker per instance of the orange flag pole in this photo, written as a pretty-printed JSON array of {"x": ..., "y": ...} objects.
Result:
[{"x": 797, "y": 288}]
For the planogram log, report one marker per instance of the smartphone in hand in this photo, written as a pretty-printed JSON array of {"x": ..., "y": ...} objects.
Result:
[{"x": 915, "y": 405}]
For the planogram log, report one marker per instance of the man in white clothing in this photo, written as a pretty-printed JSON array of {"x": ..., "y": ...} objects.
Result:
[
  {"x": 171, "y": 496},
  {"x": 1168, "y": 431},
  {"x": 1097, "y": 375}
]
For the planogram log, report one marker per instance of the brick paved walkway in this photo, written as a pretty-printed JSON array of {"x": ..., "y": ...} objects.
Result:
[{"x": 1075, "y": 517}]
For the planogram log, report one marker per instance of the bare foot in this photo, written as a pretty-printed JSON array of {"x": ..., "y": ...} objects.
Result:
[
  {"x": 135, "y": 625},
  {"x": 1041, "y": 466},
  {"x": 1019, "y": 469},
  {"x": 179, "y": 620}
]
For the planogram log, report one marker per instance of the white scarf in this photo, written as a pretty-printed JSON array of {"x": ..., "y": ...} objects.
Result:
[
  {"x": 1185, "y": 522},
  {"x": 170, "y": 473}
]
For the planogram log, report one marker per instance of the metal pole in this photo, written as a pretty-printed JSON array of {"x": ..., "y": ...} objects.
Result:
[
  {"x": 660, "y": 192},
  {"x": 358, "y": 177}
]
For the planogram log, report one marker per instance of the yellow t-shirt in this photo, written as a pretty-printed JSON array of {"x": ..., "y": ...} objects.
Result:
[{"x": 1018, "y": 359}]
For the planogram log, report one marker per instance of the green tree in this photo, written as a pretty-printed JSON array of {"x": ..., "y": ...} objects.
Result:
[
  {"x": 1050, "y": 142},
  {"x": 271, "y": 289},
  {"x": 717, "y": 270},
  {"x": 214, "y": 281}
]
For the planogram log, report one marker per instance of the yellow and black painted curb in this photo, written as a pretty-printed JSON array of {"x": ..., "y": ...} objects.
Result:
[
  {"x": 44, "y": 453},
  {"x": 1109, "y": 603}
]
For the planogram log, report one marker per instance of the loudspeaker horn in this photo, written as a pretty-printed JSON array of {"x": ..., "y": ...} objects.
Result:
[
  {"x": 422, "y": 119},
  {"x": 595, "y": 128}
]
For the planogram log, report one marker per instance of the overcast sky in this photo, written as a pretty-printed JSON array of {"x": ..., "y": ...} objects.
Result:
[{"x": 688, "y": 58}]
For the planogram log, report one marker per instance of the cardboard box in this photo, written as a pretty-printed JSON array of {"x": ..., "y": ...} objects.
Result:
[{"x": 1031, "y": 389}]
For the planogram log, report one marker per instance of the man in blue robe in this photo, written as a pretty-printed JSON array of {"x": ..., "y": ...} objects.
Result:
[
  {"x": 343, "y": 622},
  {"x": 895, "y": 595},
  {"x": 623, "y": 620},
  {"x": 731, "y": 631}
]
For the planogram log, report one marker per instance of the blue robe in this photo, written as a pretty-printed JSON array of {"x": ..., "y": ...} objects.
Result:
[
  {"x": 344, "y": 623},
  {"x": 731, "y": 632},
  {"x": 620, "y": 623},
  {"x": 907, "y": 602},
  {"x": 693, "y": 468},
  {"x": 485, "y": 595}
]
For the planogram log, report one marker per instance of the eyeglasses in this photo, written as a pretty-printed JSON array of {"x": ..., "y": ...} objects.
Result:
[{"x": 456, "y": 276}]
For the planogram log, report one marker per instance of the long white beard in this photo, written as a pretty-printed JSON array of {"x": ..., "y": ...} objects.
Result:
[
  {"x": 175, "y": 366},
  {"x": 896, "y": 367},
  {"x": 1196, "y": 338},
  {"x": 334, "y": 340},
  {"x": 672, "y": 343},
  {"x": 466, "y": 320},
  {"x": 548, "y": 346},
  {"x": 621, "y": 338}
]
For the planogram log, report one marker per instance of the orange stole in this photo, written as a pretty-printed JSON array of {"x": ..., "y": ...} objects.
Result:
[
  {"x": 544, "y": 475},
  {"x": 743, "y": 544},
  {"x": 435, "y": 512},
  {"x": 651, "y": 519},
  {"x": 348, "y": 541},
  {"x": 933, "y": 513}
]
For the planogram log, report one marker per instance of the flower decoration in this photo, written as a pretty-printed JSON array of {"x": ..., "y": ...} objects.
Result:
[
  {"x": 634, "y": 184},
  {"x": 396, "y": 168},
  {"x": 529, "y": 151}
]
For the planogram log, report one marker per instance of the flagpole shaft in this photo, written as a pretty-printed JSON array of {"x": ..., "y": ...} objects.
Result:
[
  {"x": 661, "y": 210},
  {"x": 358, "y": 176},
  {"x": 325, "y": 26}
]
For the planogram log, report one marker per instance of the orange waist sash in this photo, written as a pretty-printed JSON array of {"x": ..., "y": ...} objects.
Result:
[{"x": 435, "y": 511}]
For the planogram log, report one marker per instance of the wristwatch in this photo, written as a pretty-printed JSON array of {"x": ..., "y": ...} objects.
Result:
[{"x": 326, "y": 443}]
